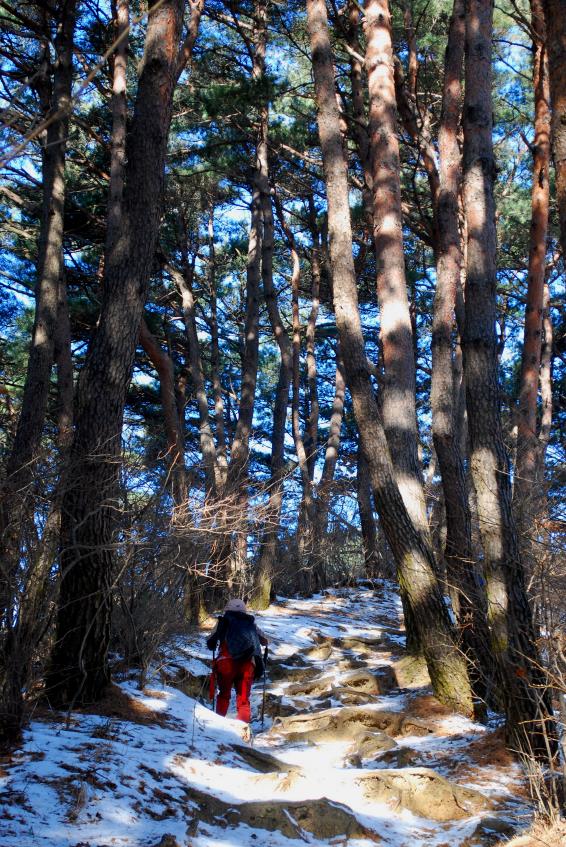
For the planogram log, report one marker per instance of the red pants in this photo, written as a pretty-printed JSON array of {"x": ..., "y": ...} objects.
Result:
[{"x": 239, "y": 674}]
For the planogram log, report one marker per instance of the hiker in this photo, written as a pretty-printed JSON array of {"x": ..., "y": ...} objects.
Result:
[{"x": 239, "y": 661}]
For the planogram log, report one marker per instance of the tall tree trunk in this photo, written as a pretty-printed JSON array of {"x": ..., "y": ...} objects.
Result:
[
  {"x": 460, "y": 566},
  {"x": 324, "y": 487},
  {"x": 413, "y": 555},
  {"x": 268, "y": 548},
  {"x": 305, "y": 524},
  {"x": 331, "y": 453},
  {"x": 183, "y": 281},
  {"x": 521, "y": 679},
  {"x": 545, "y": 383},
  {"x": 527, "y": 492},
  {"x": 311, "y": 428},
  {"x": 91, "y": 507},
  {"x": 398, "y": 391},
  {"x": 230, "y": 552},
  {"x": 38, "y": 587},
  {"x": 359, "y": 123},
  {"x": 215, "y": 357},
  {"x": 367, "y": 520},
  {"x": 555, "y": 13},
  {"x": 119, "y": 108},
  {"x": 163, "y": 364},
  {"x": 21, "y": 461}
]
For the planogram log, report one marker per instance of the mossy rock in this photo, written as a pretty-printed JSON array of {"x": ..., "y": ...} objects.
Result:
[{"x": 411, "y": 672}]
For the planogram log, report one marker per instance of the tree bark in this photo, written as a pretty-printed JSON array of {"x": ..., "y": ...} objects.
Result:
[
  {"x": 555, "y": 13},
  {"x": 331, "y": 453},
  {"x": 215, "y": 357},
  {"x": 527, "y": 498},
  {"x": 306, "y": 511},
  {"x": 459, "y": 557},
  {"x": 369, "y": 530},
  {"x": 268, "y": 548},
  {"x": 21, "y": 461},
  {"x": 173, "y": 433},
  {"x": 522, "y": 683},
  {"x": 410, "y": 547},
  {"x": 38, "y": 591},
  {"x": 91, "y": 508},
  {"x": 239, "y": 453},
  {"x": 183, "y": 281},
  {"x": 359, "y": 122},
  {"x": 396, "y": 336},
  {"x": 119, "y": 109}
]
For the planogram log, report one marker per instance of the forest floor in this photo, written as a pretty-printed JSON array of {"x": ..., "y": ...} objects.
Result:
[{"x": 355, "y": 751}]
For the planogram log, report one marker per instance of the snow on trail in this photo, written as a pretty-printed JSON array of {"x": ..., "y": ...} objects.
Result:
[{"x": 167, "y": 764}]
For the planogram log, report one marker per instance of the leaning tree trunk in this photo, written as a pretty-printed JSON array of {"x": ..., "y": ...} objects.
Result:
[
  {"x": 527, "y": 491},
  {"x": 21, "y": 461},
  {"x": 91, "y": 507},
  {"x": 413, "y": 555},
  {"x": 396, "y": 335},
  {"x": 459, "y": 556},
  {"x": 522, "y": 683},
  {"x": 555, "y": 12}
]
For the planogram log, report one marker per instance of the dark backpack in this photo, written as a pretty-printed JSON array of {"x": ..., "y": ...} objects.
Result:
[{"x": 241, "y": 637}]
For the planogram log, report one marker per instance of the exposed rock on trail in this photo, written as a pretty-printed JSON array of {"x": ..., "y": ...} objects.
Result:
[
  {"x": 293, "y": 819},
  {"x": 423, "y": 792},
  {"x": 355, "y": 751},
  {"x": 342, "y": 723}
]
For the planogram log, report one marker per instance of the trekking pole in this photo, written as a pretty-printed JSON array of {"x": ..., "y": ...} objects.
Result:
[
  {"x": 212, "y": 688},
  {"x": 264, "y": 684}
]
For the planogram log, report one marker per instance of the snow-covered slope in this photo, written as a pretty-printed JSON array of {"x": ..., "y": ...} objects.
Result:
[{"x": 340, "y": 761}]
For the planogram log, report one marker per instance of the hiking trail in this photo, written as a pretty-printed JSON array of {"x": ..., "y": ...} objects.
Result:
[{"x": 355, "y": 750}]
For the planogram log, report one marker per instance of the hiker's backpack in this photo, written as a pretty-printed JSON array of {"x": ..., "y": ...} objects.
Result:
[{"x": 241, "y": 637}]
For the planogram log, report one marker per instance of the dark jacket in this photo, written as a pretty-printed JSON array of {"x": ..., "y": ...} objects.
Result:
[{"x": 219, "y": 634}]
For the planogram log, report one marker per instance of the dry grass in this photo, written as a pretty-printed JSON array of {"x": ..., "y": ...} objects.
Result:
[
  {"x": 118, "y": 706},
  {"x": 540, "y": 835},
  {"x": 425, "y": 706},
  {"x": 115, "y": 705},
  {"x": 490, "y": 749}
]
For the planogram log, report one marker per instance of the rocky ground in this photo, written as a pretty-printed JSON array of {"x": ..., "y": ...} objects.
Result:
[{"x": 354, "y": 750}]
